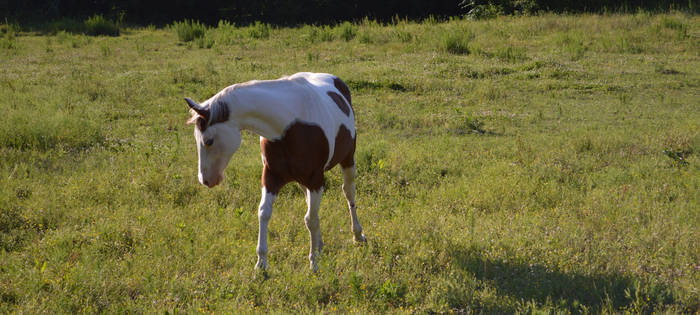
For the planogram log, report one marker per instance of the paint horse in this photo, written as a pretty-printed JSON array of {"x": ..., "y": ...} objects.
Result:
[{"x": 306, "y": 126}]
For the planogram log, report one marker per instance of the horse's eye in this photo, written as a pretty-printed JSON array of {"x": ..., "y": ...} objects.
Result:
[{"x": 209, "y": 142}]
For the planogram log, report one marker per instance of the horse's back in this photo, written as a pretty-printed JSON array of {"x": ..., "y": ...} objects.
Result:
[
  {"x": 300, "y": 155},
  {"x": 331, "y": 101}
]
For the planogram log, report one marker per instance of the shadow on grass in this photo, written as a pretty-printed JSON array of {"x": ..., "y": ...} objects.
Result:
[{"x": 570, "y": 291}]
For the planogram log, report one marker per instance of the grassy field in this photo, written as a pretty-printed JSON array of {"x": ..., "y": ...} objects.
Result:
[{"x": 546, "y": 164}]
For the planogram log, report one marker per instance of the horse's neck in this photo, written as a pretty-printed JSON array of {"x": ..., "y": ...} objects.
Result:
[{"x": 264, "y": 108}]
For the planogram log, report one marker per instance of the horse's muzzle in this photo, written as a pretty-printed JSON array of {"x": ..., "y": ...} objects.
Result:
[{"x": 210, "y": 182}]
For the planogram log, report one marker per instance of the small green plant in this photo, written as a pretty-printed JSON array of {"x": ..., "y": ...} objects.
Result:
[
  {"x": 466, "y": 124},
  {"x": 224, "y": 34},
  {"x": 679, "y": 27},
  {"x": 365, "y": 37},
  {"x": 677, "y": 156},
  {"x": 662, "y": 69},
  {"x": 140, "y": 47},
  {"x": 204, "y": 42},
  {"x": 511, "y": 54},
  {"x": 8, "y": 28},
  {"x": 573, "y": 44},
  {"x": 99, "y": 25},
  {"x": 189, "y": 30},
  {"x": 391, "y": 292},
  {"x": 678, "y": 148},
  {"x": 356, "y": 286},
  {"x": 259, "y": 30},
  {"x": 105, "y": 49},
  {"x": 403, "y": 36},
  {"x": 62, "y": 37},
  {"x": 49, "y": 45},
  {"x": 347, "y": 31},
  {"x": 311, "y": 34},
  {"x": 631, "y": 44},
  {"x": 8, "y": 33},
  {"x": 312, "y": 57},
  {"x": 456, "y": 43},
  {"x": 430, "y": 20},
  {"x": 671, "y": 23},
  {"x": 8, "y": 41},
  {"x": 325, "y": 34}
]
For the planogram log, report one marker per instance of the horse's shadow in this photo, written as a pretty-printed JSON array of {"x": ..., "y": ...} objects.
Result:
[{"x": 573, "y": 292}]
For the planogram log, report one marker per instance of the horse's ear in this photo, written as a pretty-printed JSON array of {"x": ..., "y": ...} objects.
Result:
[
  {"x": 199, "y": 109},
  {"x": 193, "y": 119}
]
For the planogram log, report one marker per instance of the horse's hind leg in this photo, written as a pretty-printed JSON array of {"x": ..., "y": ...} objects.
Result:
[
  {"x": 349, "y": 191},
  {"x": 313, "y": 201}
]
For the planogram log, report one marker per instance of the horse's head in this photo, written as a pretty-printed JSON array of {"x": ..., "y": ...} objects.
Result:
[{"x": 217, "y": 139}]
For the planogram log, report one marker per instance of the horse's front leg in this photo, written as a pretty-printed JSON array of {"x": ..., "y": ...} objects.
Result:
[
  {"x": 264, "y": 214},
  {"x": 313, "y": 201}
]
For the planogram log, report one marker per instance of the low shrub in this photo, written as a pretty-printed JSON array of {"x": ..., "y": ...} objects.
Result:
[
  {"x": 99, "y": 25},
  {"x": 259, "y": 30},
  {"x": 455, "y": 43},
  {"x": 189, "y": 30},
  {"x": 347, "y": 31},
  {"x": 8, "y": 41}
]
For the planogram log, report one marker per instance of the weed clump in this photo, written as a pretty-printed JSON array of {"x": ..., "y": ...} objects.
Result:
[
  {"x": 189, "y": 30},
  {"x": 7, "y": 35},
  {"x": 8, "y": 41},
  {"x": 671, "y": 23},
  {"x": 467, "y": 124},
  {"x": 347, "y": 31},
  {"x": 99, "y": 25},
  {"x": 456, "y": 43},
  {"x": 403, "y": 36},
  {"x": 365, "y": 38},
  {"x": 259, "y": 30},
  {"x": 224, "y": 34},
  {"x": 511, "y": 54}
]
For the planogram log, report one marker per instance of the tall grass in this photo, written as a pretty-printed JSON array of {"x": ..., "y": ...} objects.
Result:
[
  {"x": 189, "y": 30},
  {"x": 346, "y": 31},
  {"x": 259, "y": 30},
  {"x": 456, "y": 42}
]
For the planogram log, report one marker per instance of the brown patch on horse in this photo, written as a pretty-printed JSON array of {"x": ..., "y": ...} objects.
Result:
[
  {"x": 299, "y": 155},
  {"x": 201, "y": 124},
  {"x": 340, "y": 102},
  {"x": 344, "y": 151},
  {"x": 218, "y": 113},
  {"x": 343, "y": 88}
]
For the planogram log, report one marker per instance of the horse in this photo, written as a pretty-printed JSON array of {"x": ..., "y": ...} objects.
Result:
[{"x": 306, "y": 125}]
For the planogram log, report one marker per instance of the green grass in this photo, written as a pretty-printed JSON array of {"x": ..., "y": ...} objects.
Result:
[{"x": 553, "y": 168}]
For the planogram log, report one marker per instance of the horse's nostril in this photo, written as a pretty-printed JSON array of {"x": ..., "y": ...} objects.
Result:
[{"x": 206, "y": 182}]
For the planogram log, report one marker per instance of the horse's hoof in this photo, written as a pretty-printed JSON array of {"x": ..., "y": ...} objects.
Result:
[
  {"x": 313, "y": 266},
  {"x": 261, "y": 273}
]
